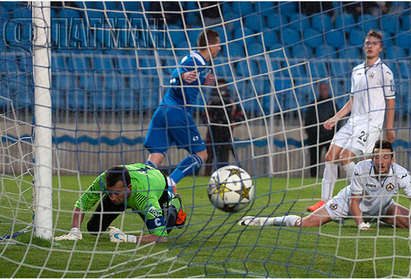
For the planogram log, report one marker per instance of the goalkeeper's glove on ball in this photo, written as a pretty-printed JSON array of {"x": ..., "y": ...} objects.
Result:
[
  {"x": 116, "y": 235},
  {"x": 74, "y": 234}
]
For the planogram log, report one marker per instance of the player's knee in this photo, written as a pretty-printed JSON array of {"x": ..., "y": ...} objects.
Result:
[{"x": 203, "y": 155}]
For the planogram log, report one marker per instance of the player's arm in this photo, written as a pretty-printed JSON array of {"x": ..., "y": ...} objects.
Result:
[
  {"x": 330, "y": 123},
  {"x": 389, "y": 120},
  {"x": 87, "y": 200},
  {"x": 355, "y": 209},
  {"x": 389, "y": 94},
  {"x": 356, "y": 189}
]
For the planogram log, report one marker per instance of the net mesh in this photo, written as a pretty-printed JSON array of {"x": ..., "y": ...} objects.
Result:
[{"x": 110, "y": 67}]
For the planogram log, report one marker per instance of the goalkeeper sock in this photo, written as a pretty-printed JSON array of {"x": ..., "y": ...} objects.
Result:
[
  {"x": 328, "y": 182},
  {"x": 186, "y": 167},
  {"x": 288, "y": 220},
  {"x": 349, "y": 169}
]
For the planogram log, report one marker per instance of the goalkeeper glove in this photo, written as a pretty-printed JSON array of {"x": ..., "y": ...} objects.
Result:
[
  {"x": 117, "y": 236},
  {"x": 74, "y": 234},
  {"x": 363, "y": 226}
]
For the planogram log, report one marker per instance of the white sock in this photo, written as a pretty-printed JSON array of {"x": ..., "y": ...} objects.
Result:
[
  {"x": 328, "y": 182},
  {"x": 131, "y": 238},
  {"x": 288, "y": 220},
  {"x": 349, "y": 169}
]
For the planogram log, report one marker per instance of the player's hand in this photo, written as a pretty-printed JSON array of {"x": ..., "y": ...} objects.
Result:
[
  {"x": 189, "y": 77},
  {"x": 364, "y": 226},
  {"x": 116, "y": 235},
  {"x": 330, "y": 123},
  {"x": 210, "y": 79},
  {"x": 74, "y": 234},
  {"x": 390, "y": 135},
  {"x": 250, "y": 221}
]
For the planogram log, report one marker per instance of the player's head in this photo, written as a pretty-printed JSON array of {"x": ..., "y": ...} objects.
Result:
[
  {"x": 222, "y": 88},
  {"x": 118, "y": 183},
  {"x": 383, "y": 156},
  {"x": 373, "y": 44},
  {"x": 211, "y": 40},
  {"x": 324, "y": 90}
]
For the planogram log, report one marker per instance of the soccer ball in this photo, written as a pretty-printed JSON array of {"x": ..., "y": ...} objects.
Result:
[{"x": 230, "y": 189}]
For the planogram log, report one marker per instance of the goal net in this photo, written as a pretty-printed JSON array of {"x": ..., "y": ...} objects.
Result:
[{"x": 80, "y": 82}]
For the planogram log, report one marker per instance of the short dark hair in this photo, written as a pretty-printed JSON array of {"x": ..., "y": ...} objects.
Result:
[
  {"x": 211, "y": 35},
  {"x": 117, "y": 173},
  {"x": 383, "y": 144},
  {"x": 376, "y": 34}
]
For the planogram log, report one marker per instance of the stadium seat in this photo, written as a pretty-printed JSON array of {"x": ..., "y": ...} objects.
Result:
[
  {"x": 102, "y": 100},
  {"x": 264, "y": 8},
  {"x": 89, "y": 82},
  {"x": 254, "y": 22},
  {"x": 299, "y": 22},
  {"x": 403, "y": 39},
  {"x": 335, "y": 38},
  {"x": 390, "y": 23},
  {"x": 318, "y": 69},
  {"x": 387, "y": 39},
  {"x": 394, "y": 52},
  {"x": 78, "y": 63},
  {"x": 287, "y": 8},
  {"x": 406, "y": 22},
  {"x": 367, "y": 22},
  {"x": 238, "y": 33},
  {"x": 350, "y": 53},
  {"x": 289, "y": 36},
  {"x": 132, "y": 6},
  {"x": 58, "y": 99},
  {"x": 340, "y": 68},
  {"x": 302, "y": 51},
  {"x": 235, "y": 49},
  {"x": 276, "y": 20},
  {"x": 255, "y": 48},
  {"x": 78, "y": 100},
  {"x": 242, "y": 69},
  {"x": 270, "y": 38},
  {"x": 325, "y": 51},
  {"x": 312, "y": 37},
  {"x": 222, "y": 70},
  {"x": 344, "y": 21},
  {"x": 357, "y": 37},
  {"x": 148, "y": 65},
  {"x": 321, "y": 22},
  {"x": 405, "y": 69},
  {"x": 177, "y": 35},
  {"x": 242, "y": 8},
  {"x": 126, "y": 100}
]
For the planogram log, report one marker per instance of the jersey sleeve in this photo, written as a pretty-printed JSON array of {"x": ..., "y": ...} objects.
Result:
[
  {"x": 356, "y": 182},
  {"x": 92, "y": 195},
  {"x": 186, "y": 65},
  {"x": 154, "y": 219},
  {"x": 388, "y": 83}
]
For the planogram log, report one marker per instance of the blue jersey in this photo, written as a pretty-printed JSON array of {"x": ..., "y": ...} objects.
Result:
[{"x": 181, "y": 94}]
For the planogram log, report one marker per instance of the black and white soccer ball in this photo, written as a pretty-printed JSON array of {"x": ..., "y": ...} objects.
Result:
[{"x": 231, "y": 189}]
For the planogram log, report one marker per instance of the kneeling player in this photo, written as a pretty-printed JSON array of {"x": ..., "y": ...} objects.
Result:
[
  {"x": 374, "y": 184},
  {"x": 136, "y": 186}
]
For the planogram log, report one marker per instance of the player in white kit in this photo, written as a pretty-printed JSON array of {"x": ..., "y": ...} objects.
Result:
[
  {"x": 372, "y": 98},
  {"x": 369, "y": 196}
]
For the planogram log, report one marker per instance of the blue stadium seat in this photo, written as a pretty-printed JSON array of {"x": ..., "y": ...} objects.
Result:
[
  {"x": 390, "y": 23},
  {"x": 287, "y": 8},
  {"x": 335, "y": 38},
  {"x": 64, "y": 81},
  {"x": 350, "y": 53},
  {"x": 78, "y": 100},
  {"x": 255, "y": 48},
  {"x": 102, "y": 63},
  {"x": 299, "y": 22},
  {"x": 325, "y": 51},
  {"x": 387, "y": 39},
  {"x": 242, "y": 69},
  {"x": 58, "y": 99},
  {"x": 238, "y": 33},
  {"x": 254, "y": 22},
  {"x": 367, "y": 22},
  {"x": 394, "y": 52},
  {"x": 235, "y": 49},
  {"x": 89, "y": 82},
  {"x": 132, "y": 6},
  {"x": 222, "y": 71},
  {"x": 302, "y": 51},
  {"x": 344, "y": 21},
  {"x": 406, "y": 22},
  {"x": 340, "y": 68},
  {"x": 312, "y": 37},
  {"x": 110, "y": 83},
  {"x": 276, "y": 20},
  {"x": 318, "y": 69},
  {"x": 102, "y": 100},
  {"x": 405, "y": 69},
  {"x": 270, "y": 38},
  {"x": 357, "y": 37},
  {"x": 148, "y": 65},
  {"x": 289, "y": 36},
  {"x": 78, "y": 63},
  {"x": 126, "y": 100},
  {"x": 322, "y": 22},
  {"x": 264, "y": 8},
  {"x": 403, "y": 40},
  {"x": 242, "y": 8}
]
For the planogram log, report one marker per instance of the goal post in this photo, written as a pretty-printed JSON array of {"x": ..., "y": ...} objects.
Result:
[{"x": 43, "y": 168}]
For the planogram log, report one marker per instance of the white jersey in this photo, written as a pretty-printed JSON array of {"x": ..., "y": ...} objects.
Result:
[
  {"x": 370, "y": 86},
  {"x": 377, "y": 191}
]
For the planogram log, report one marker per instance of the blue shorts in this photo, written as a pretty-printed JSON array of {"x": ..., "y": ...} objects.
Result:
[{"x": 173, "y": 125}]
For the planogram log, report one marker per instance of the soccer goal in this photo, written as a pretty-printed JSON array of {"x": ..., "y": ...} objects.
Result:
[{"x": 80, "y": 82}]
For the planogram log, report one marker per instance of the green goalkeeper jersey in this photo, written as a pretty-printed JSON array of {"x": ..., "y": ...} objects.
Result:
[{"x": 147, "y": 186}]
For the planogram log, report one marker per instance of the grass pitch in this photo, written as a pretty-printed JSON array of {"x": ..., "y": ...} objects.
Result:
[{"x": 210, "y": 245}]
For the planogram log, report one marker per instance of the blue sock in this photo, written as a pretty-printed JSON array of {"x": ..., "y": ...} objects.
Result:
[
  {"x": 186, "y": 167},
  {"x": 151, "y": 164}
]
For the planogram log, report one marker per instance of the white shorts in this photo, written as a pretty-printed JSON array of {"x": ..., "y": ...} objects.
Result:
[
  {"x": 339, "y": 207},
  {"x": 359, "y": 139}
]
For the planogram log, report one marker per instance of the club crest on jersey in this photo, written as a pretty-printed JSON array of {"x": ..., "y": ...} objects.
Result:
[
  {"x": 334, "y": 206},
  {"x": 389, "y": 187}
]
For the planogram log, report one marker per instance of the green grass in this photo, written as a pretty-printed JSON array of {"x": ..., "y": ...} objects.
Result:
[{"x": 210, "y": 245}]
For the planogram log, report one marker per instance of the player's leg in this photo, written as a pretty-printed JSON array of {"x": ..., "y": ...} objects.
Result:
[
  {"x": 209, "y": 162},
  {"x": 313, "y": 160},
  {"x": 329, "y": 177},
  {"x": 101, "y": 219},
  {"x": 400, "y": 216},
  {"x": 157, "y": 140}
]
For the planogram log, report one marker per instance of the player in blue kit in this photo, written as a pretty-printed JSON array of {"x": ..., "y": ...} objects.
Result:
[{"x": 173, "y": 122}]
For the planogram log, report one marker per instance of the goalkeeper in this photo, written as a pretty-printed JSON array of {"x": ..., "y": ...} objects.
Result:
[
  {"x": 370, "y": 195},
  {"x": 136, "y": 186}
]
